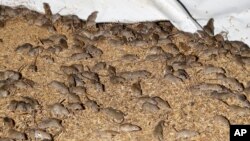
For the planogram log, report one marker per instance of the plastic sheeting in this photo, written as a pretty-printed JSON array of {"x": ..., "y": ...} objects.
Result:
[{"x": 231, "y": 16}]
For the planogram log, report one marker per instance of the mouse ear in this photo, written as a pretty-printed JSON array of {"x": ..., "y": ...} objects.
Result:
[
  {"x": 209, "y": 28},
  {"x": 47, "y": 9},
  {"x": 91, "y": 19}
]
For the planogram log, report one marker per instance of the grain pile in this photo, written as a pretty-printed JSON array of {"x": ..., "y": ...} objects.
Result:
[{"x": 62, "y": 78}]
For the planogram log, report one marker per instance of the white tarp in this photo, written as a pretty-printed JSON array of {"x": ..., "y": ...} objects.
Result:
[{"x": 230, "y": 16}]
